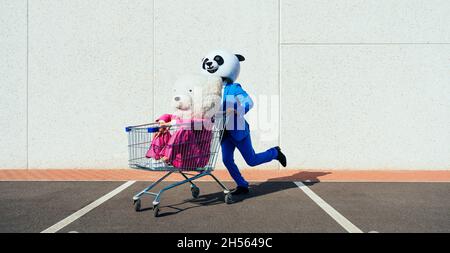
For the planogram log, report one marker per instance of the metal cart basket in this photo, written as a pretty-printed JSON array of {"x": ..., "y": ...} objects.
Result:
[{"x": 194, "y": 155}]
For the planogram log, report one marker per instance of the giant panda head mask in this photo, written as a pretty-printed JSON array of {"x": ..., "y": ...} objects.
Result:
[{"x": 223, "y": 64}]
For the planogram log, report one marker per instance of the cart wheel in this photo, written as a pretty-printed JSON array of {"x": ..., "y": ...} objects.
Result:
[
  {"x": 228, "y": 198},
  {"x": 156, "y": 210},
  {"x": 137, "y": 205},
  {"x": 195, "y": 191}
]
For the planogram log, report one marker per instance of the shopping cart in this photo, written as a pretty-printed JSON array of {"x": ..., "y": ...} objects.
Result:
[{"x": 207, "y": 138}]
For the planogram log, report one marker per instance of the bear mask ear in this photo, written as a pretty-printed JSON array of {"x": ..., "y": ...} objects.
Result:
[{"x": 240, "y": 57}]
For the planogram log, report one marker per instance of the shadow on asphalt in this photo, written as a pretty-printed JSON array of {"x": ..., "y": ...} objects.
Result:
[{"x": 270, "y": 186}]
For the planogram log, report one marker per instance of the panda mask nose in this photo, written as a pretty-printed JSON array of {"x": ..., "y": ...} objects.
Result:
[
  {"x": 176, "y": 99},
  {"x": 209, "y": 64}
]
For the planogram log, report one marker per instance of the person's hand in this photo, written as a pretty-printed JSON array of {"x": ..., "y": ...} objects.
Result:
[
  {"x": 162, "y": 127},
  {"x": 230, "y": 111},
  {"x": 163, "y": 123}
]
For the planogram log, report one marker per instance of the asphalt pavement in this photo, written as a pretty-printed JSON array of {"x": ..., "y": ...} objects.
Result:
[{"x": 270, "y": 207}]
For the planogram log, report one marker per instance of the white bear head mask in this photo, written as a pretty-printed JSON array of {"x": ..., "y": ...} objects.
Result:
[{"x": 197, "y": 96}]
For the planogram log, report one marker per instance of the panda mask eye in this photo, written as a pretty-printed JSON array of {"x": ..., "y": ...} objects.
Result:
[{"x": 218, "y": 59}]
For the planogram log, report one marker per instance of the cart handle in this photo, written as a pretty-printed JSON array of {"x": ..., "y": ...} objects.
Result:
[
  {"x": 154, "y": 129},
  {"x": 154, "y": 126}
]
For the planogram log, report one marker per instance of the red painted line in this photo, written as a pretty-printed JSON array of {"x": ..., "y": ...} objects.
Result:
[{"x": 249, "y": 174}]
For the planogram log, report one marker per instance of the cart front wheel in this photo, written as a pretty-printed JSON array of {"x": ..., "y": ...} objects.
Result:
[
  {"x": 137, "y": 205},
  {"x": 195, "y": 191},
  {"x": 156, "y": 210},
  {"x": 228, "y": 198}
]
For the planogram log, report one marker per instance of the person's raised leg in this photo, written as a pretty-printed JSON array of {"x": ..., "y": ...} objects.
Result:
[
  {"x": 228, "y": 148},
  {"x": 253, "y": 159}
]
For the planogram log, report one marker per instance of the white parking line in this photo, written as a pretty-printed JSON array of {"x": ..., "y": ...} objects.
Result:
[
  {"x": 339, "y": 218},
  {"x": 58, "y": 226}
]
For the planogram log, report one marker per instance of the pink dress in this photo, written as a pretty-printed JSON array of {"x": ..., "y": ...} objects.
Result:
[
  {"x": 160, "y": 141},
  {"x": 189, "y": 147}
]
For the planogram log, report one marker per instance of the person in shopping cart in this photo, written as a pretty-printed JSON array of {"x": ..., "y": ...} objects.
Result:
[{"x": 236, "y": 103}]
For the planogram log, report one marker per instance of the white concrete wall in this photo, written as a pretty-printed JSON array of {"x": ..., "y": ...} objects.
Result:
[
  {"x": 371, "y": 83},
  {"x": 13, "y": 84},
  {"x": 90, "y": 74},
  {"x": 354, "y": 84}
]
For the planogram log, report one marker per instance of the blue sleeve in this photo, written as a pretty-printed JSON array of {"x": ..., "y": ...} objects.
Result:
[{"x": 244, "y": 101}]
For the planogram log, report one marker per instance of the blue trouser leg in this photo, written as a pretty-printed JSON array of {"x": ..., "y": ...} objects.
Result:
[
  {"x": 251, "y": 158},
  {"x": 228, "y": 148}
]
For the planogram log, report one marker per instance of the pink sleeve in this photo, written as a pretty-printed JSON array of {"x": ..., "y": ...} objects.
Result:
[{"x": 165, "y": 117}]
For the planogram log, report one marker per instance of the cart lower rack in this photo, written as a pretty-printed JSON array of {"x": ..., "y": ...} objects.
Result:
[{"x": 193, "y": 149}]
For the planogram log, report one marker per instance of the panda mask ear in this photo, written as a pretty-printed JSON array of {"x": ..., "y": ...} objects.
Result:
[{"x": 240, "y": 57}]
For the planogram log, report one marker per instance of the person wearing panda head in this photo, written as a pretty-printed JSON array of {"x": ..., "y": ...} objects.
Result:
[{"x": 236, "y": 103}]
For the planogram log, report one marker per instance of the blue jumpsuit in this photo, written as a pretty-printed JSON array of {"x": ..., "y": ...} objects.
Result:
[{"x": 237, "y": 134}]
